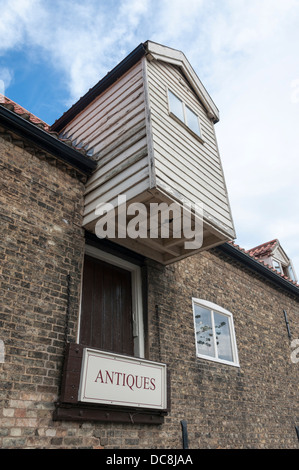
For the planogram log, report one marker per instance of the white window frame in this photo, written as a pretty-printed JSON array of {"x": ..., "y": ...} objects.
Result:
[
  {"x": 291, "y": 272},
  {"x": 275, "y": 260},
  {"x": 185, "y": 122},
  {"x": 285, "y": 269},
  {"x": 137, "y": 305},
  {"x": 217, "y": 309}
]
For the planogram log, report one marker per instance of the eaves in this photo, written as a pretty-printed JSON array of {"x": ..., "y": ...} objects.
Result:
[
  {"x": 45, "y": 141},
  {"x": 259, "y": 267}
]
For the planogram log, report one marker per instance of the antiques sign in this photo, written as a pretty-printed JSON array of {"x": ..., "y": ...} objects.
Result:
[{"x": 108, "y": 378}]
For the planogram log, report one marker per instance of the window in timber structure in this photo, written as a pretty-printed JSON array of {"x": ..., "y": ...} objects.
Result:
[{"x": 185, "y": 114}]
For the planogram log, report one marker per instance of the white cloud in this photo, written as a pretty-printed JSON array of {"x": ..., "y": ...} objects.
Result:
[
  {"x": 82, "y": 39},
  {"x": 6, "y": 77},
  {"x": 254, "y": 83},
  {"x": 14, "y": 16}
]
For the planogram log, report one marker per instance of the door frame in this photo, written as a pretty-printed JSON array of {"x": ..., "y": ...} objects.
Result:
[{"x": 137, "y": 305}]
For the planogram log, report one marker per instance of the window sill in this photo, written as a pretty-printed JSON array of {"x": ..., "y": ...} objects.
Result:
[{"x": 218, "y": 361}]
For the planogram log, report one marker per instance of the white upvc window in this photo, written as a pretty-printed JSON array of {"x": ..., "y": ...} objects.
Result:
[
  {"x": 184, "y": 113},
  {"x": 283, "y": 268},
  {"x": 291, "y": 273},
  {"x": 214, "y": 333},
  {"x": 277, "y": 265}
]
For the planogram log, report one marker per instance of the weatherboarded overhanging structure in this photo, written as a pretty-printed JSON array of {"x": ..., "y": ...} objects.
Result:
[{"x": 150, "y": 126}]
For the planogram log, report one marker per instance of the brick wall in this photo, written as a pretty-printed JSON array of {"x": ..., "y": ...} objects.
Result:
[
  {"x": 42, "y": 242},
  {"x": 255, "y": 405}
]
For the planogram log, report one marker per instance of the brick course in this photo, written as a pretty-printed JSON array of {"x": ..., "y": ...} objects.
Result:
[{"x": 42, "y": 242}]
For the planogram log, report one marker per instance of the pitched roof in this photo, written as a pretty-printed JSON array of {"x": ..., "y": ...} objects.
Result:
[
  {"x": 267, "y": 246},
  {"x": 17, "y": 109},
  {"x": 265, "y": 249},
  {"x": 153, "y": 51},
  {"x": 20, "y": 121},
  {"x": 28, "y": 116}
]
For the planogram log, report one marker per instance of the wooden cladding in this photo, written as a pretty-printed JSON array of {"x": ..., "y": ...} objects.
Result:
[{"x": 145, "y": 154}]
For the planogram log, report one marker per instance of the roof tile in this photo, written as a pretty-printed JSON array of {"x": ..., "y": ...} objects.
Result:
[
  {"x": 264, "y": 248},
  {"x": 22, "y": 112}
]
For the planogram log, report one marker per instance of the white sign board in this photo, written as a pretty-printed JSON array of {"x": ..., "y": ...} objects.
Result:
[{"x": 108, "y": 378}]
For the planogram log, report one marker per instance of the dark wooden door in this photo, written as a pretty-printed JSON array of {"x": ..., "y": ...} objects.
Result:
[{"x": 106, "y": 310}]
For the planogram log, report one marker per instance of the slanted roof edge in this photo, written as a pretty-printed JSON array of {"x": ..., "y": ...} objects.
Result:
[
  {"x": 259, "y": 266},
  {"x": 158, "y": 52},
  {"x": 45, "y": 140}
]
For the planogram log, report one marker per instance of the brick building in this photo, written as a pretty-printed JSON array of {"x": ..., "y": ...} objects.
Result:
[{"x": 218, "y": 323}]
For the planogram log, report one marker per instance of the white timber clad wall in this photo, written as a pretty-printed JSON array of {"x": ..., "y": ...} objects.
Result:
[
  {"x": 185, "y": 167},
  {"x": 114, "y": 125}
]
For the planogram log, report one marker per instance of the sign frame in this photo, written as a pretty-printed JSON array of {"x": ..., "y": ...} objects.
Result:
[{"x": 104, "y": 380}]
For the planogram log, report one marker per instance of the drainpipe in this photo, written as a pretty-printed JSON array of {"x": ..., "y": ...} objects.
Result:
[{"x": 184, "y": 434}]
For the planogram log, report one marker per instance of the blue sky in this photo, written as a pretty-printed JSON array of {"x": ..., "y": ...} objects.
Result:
[{"x": 245, "y": 53}]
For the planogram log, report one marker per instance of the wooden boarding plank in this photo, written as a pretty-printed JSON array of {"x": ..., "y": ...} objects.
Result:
[
  {"x": 131, "y": 190},
  {"x": 101, "y": 131},
  {"x": 161, "y": 54},
  {"x": 106, "y": 106},
  {"x": 116, "y": 146},
  {"x": 174, "y": 81},
  {"x": 187, "y": 191},
  {"x": 184, "y": 192},
  {"x": 175, "y": 77},
  {"x": 209, "y": 221},
  {"x": 195, "y": 174},
  {"x": 118, "y": 184},
  {"x": 116, "y": 132},
  {"x": 117, "y": 165},
  {"x": 163, "y": 123},
  {"x": 128, "y": 80},
  {"x": 105, "y": 116}
]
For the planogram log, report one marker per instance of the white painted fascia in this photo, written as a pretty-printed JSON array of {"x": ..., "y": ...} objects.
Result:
[{"x": 178, "y": 58}]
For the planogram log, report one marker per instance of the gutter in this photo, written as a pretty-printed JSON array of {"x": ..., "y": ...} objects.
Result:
[
  {"x": 101, "y": 86},
  {"x": 258, "y": 267},
  {"x": 46, "y": 141}
]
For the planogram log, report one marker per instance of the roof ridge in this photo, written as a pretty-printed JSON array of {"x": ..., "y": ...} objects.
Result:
[{"x": 271, "y": 242}]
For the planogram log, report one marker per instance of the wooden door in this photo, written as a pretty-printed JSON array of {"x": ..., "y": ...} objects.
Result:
[{"x": 106, "y": 311}]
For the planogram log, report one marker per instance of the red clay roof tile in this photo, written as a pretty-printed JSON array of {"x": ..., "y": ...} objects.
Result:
[
  {"x": 264, "y": 249},
  {"x": 17, "y": 109}
]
